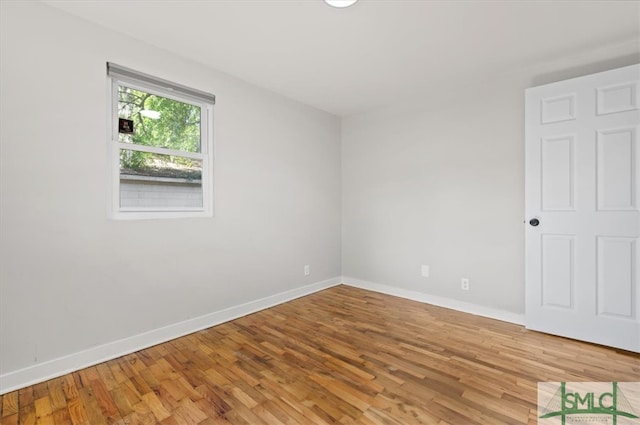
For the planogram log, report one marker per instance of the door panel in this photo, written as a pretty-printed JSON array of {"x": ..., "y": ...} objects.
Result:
[
  {"x": 558, "y": 264},
  {"x": 617, "y": 98},
  {"x": 616, "y": 170},
  {"x": 557, "y": 173},
  {"x": 558, "y": 108},
  {"x": 582, "y": 186},
  {"x": 616, "y": 277}
]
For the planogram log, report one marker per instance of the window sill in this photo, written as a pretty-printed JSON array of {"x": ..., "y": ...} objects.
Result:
[{"x": 155, "y": 215}]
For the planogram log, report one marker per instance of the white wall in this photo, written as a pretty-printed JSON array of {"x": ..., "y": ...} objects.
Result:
[
  {"x": 439, "y": 180},
  {"x": 73, "y": 279}
]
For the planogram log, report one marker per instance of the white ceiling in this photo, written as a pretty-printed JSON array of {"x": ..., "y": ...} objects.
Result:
[{"x": 376, "y": 52}]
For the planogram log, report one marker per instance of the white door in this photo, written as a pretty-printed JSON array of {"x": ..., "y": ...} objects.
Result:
[{"x": 582, "y": 217}]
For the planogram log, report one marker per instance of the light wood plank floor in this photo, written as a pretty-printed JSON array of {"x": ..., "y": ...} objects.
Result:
[{"x": 343, "y": 356}]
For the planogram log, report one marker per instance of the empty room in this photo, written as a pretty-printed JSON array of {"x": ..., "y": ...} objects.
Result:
[{"x": 319, "y": 212}]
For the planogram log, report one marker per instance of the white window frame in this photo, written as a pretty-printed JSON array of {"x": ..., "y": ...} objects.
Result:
[{"x": 168, "y": 90}]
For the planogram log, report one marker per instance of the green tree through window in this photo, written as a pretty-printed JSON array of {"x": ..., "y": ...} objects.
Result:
[{"x": 159, "y": 122}]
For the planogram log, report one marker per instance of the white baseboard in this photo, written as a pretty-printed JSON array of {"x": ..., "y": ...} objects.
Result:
[
  {"x": 60, "y": 366},
  {"x": 478, "y": 310}
]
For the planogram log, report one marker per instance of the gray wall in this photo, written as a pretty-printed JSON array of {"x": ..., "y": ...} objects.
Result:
[
  {"x": 439, "y": 180},
  {"x": 71, "y": 278}
]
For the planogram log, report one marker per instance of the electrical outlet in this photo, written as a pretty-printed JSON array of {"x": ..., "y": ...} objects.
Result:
[
  {"x": 307, "y": 270},
  {"x": 425, "y": 271},
  {"x": 464, "y": 284}
]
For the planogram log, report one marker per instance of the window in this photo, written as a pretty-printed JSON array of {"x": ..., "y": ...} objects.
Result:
[{"x": 160, "y": 144}]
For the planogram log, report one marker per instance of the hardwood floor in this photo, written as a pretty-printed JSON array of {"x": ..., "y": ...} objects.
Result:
[{"x": 344, "y": 355}]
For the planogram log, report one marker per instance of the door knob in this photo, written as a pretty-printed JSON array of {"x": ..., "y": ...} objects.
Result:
[{"x": 534, "y": 222}]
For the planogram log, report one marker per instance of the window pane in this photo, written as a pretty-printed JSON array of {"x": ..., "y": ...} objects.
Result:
[
  {"x": 152, "y": 181},
  {"x": 158, "y": 121}
]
